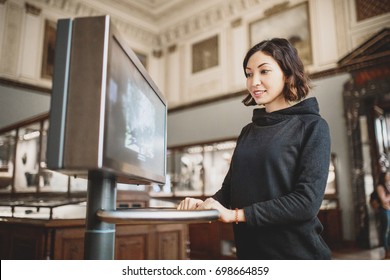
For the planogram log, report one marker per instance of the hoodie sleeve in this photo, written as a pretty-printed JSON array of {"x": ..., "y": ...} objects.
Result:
[
  {"x": 223, "y": 195},
  {"x": 304, "y": 202}
]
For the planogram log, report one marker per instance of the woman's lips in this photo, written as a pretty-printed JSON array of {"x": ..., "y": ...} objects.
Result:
[{"x": 258, "y": 93}]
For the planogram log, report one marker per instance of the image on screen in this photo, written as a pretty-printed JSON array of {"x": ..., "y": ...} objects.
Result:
[{"x": 135, "y": 126}]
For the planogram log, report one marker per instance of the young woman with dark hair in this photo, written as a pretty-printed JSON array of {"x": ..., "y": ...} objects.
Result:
[{"x": 277, "y": 177}]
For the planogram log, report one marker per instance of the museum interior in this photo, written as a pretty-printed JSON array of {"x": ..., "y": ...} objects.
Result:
[{"x": 189, "y": 54}]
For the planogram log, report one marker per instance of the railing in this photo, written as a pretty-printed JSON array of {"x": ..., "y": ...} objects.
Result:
[{"x": 156, "y": 216}]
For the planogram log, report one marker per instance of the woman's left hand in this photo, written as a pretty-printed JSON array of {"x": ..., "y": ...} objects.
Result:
[{"x": 225, "y": 215}]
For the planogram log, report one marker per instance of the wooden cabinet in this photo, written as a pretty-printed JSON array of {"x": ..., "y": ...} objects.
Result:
[
  {"x": 133, "y": 243},
  {"x": 171, "y": 242},
  {"x": 64, "y": 240},
  {"x": 333, "y": 232},
  {"x": 68, "y": 243},
  {"x": 203, "y": 241},
  {"x": 19, "y": 242},
  {"x": 210, "y": 241},
  {"x": 161, "y": 242}
]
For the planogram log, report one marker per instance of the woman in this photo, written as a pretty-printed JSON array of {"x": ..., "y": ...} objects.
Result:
[
  {"x": 277, "y": 177},
  {"x": 383, "y": 191}
]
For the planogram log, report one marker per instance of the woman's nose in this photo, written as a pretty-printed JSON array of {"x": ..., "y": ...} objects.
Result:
[{"x": 256, "y": 81}]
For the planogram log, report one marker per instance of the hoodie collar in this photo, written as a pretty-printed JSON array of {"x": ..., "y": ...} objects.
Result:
[{"x": 307, "y": 106}]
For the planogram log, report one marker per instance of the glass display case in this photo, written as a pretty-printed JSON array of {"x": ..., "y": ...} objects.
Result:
[
  {"x": 27, "y": 158},
  {"x": 23, "y": 166},
  {"x": 7, "y": 148},
  {"x": 198, "y": 170}
]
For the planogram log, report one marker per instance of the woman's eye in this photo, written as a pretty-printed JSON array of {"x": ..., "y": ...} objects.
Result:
[
  {"x": 248, "y": 75},
  {"x": 265, "y": 71}
]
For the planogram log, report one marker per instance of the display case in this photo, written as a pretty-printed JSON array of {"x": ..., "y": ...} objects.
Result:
[
  {"x": 23, "y": 168},
  {"x": 198, "y": 170},
  {"x": 7, "y": 153}
]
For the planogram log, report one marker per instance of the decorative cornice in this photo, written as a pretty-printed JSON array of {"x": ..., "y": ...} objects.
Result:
[
  {"x": 137, "y": 33},
  {"x": 172, "y": 48},
  {"x": 276, "y": 8},
  {"x": 225, "y": 10},
  {"x": 236, "y": 23},
  {"x": 79, "y": 8},
  {"x": 228, "y": 10},
  {"x": 31, "y": 9},
  {"x": 157, "y": 53}
]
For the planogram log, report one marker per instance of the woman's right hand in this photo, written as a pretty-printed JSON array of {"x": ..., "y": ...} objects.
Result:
[{"x": 189, "y": 203}]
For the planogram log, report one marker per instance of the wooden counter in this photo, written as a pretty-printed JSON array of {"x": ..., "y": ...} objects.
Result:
[{"x": 63, "y": 239}]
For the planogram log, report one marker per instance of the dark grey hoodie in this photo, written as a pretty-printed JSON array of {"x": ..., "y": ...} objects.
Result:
[{"x": 278, "y": 176}]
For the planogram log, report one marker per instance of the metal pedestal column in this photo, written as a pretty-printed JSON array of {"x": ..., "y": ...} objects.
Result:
[{"x": 99, "y": 236}]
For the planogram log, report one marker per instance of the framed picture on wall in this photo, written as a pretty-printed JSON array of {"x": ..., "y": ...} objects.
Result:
[
  {"x": 291, "y": 23},
  {"x": 205, "y": 54},
  {"x": 49, "y": 41}
]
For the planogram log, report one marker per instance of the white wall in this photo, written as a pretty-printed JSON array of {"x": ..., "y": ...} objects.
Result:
[{"x": 215, "y": 121}]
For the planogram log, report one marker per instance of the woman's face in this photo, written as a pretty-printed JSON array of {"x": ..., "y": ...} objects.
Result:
[{"x": 266, "y": 81}]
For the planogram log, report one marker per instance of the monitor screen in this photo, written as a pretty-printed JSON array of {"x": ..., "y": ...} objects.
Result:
[{"x": 135, "y": 117}]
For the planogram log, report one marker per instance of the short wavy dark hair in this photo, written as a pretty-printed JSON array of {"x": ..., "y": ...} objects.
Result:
[{"x": 297, "y": 85}]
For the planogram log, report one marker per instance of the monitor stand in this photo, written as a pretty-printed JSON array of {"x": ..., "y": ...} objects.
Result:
[{"x": 99, "y": 236}]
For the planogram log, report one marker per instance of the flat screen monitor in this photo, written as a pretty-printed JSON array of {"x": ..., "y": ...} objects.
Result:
[{"x": 106, "y": 112}]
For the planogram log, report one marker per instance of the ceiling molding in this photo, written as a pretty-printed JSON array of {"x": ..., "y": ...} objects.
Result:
[
  {"x": 142, "y": 33},
  {"x": 206, "y": 19},
  {"x": 158, "y": 23}
]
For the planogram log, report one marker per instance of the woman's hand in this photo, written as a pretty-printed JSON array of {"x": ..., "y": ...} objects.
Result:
[
  {"x": 225, "y": 215},
  {"x": 189, "y": 203}
]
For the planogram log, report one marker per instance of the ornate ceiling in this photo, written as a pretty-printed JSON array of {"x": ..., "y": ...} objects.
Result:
[
  {"x": 156, "y": 22},
  {"x": 154, "y": 8},
  {"x": 157, "y": 13}
]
